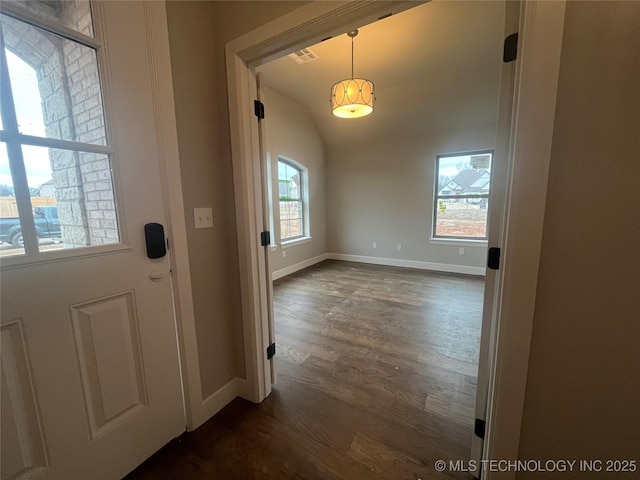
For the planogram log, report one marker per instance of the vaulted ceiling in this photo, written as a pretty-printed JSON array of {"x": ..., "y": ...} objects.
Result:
[{"x": 435, "y": 67}]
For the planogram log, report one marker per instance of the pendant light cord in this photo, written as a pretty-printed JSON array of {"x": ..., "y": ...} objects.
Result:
[
  {"x": 352, "y": 34},
  {"x": 351, "y": 58}
]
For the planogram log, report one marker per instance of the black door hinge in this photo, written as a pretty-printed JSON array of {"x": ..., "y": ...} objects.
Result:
[
  {"x": 271, "y": 351},
  {"x": 478, "y": 428},
  {"x": 265, "y": 239},
  {"x": 258, "y": 109},
  {"x": 493, "y": 258},
  {"x": 510, "y": 51}
]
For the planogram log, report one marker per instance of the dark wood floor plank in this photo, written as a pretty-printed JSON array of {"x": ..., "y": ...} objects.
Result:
[
  {"x": 377, "y": 377},
  {"x": 384, "y": 460}
]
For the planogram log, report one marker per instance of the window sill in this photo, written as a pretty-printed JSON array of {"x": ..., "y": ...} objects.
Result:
[
  {"x": 293, "y": 243},
  {"x": 458, "y": 242}
]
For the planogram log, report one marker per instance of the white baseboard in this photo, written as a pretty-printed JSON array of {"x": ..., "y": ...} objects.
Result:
[
  {"x": 219, "y": 399},
  {"x": 395, "y": 262},
  {"x": 298, "y": 266}
]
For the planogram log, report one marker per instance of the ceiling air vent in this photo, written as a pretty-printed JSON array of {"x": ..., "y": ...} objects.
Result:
[{"x": 305, "y": 55}]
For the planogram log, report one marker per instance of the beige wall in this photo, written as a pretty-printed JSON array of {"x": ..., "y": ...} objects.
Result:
[
  {"x": 382, "y": 191},
  {"x": 291, "y": 133},
  {"x": 583, "y": 388},
  {"x": 198, "y": 32}
]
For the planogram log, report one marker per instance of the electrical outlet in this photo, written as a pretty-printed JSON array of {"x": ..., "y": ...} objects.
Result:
[
  {"x": 374, "y": 245},
  {"x": 399, "y": 247},
  {"x": 461, "y": 250},
  {"x": 203, "y": 217},
  {"x": 284, "y": 253}
]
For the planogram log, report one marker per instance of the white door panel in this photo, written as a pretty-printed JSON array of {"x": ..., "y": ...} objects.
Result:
[
  {"x": 90, "y": 370},
  {"x": 494, "y": 234},
  {"x": 268, "y": 292},
  {"x": 104, "y": 368}
]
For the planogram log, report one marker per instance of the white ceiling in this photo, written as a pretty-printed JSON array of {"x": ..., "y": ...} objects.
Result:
[{"x": 434, "y": 66}]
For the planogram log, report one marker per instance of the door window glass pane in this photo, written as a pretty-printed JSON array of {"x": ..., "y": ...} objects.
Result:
[
  {"x": 74, "y": 14},
  {"x": 55, "y": 84},
  {"x": 72, "y": 196},
  {"x": 10, "y": 226}
]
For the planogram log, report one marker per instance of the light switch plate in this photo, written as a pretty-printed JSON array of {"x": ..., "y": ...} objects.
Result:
[{"x": 203, "y": 217}]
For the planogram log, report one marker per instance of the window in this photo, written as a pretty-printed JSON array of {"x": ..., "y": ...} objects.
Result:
[
  {"x": 291, "y": 194},
  {"x": 461, "y": 201},
  {"x": 55, "y": 160}
]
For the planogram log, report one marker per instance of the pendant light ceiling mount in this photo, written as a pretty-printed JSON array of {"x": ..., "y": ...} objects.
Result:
[{"x": 352, "y": 97}]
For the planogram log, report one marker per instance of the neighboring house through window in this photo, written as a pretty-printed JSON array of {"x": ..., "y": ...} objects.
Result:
[
  {"x": 461, "y": 201},
  {"x": 291, "y": 185}
]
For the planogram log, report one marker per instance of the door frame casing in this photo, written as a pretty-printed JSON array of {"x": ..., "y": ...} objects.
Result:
[
  {"x": 531, "y": 130},
  {"x": 495, "y": 218},
  {"x": 173, "y": 205},
  {"x": 198, "y": 407},
  {"x": 530, "y": 140}
]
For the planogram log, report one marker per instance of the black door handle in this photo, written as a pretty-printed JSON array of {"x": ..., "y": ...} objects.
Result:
[{"x": 154, "y": 235}]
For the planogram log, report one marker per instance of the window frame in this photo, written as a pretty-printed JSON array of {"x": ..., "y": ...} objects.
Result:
[
  {"x": 13, "y": 139},
  {"x": 436, "y": 198},
  {"x": 303, "y": 200}
]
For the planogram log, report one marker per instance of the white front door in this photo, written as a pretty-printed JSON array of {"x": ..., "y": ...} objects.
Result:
[{"x": 90, "y": 371}]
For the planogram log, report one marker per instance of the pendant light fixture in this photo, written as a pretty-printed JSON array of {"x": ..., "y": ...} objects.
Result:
[{"x": 353, "y": 97}]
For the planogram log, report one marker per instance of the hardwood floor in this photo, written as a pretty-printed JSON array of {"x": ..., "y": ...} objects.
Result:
[{"x": 376, "y": 380}]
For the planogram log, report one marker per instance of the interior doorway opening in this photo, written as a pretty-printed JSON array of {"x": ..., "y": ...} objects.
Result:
[
  {"x": 350, "y": 182},
  {"x": 527, "y": 107}
]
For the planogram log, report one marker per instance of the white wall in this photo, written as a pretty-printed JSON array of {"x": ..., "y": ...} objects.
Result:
[
  {"x": 291, "y": 133},
  {"x": 382, "y": 192}
]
